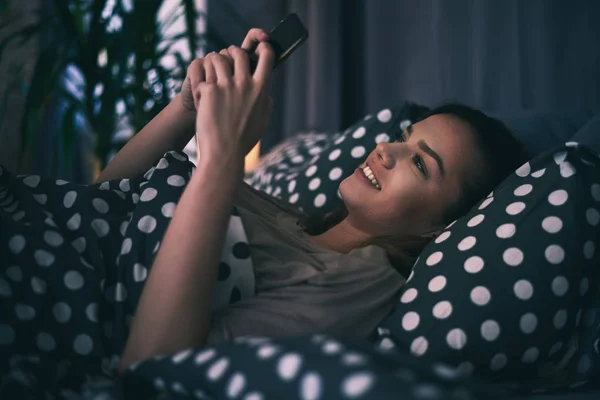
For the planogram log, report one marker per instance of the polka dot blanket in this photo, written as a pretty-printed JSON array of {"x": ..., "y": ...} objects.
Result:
[{"x": 74, "y": 260}]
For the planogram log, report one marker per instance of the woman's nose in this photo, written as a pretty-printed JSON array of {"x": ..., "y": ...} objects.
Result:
[{"x": 383, "y": 153}]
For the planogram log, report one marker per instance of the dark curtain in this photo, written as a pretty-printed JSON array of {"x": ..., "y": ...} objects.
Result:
[{"x": 361, "y": 56}]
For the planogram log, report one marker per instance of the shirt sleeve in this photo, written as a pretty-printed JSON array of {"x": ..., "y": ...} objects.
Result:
[{"x": 351, "y": 308}]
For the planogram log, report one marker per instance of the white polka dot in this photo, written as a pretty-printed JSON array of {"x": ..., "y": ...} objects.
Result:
[
  {"x": 538, "y": 173},
  {"x": 335, "y": 174},
  {"x": 567, "y": 169},
  {"x": 523, "y": 170},
  {"x": 384, "y": 115},
  {"x": 79, "y": 244},
  {"x": 593, "y": 216},
  {"x": 442, "y": 310},
  {"x": 139, "y": 272},
  {"x": 589, "y": 249},
  {"x": 43, "y": 258},
  {"x": 176, "y": 180},
  {"x": 288, "y": 366},
  {"x": 434, "y": 258},
  {"x": 91, "y": 311},
  {"x": 474, "y": 264},
  {"x": 498, "y": 362},
  {"x": 181, "y": 356},
  {"x": 357, "y": 152},
  {"x": 560, "y": 157},
  {"x": 442, "y": 237},
  {"x": 486, "y": 203},
  {"x": 595, "y": 191},
  {"x": 249, "y": 396},
  {"x": 38, "y": 285},
  {"x": 147, "y": 224},
  {"x": 560, "y": 319},
  {"x": 53, "y": 238},
  {"x": 584, "y": 364},
  {"x": 311, "y": 386},
  {"x": 73, "y": 280},
  {"x": 293, "y": 198},
  {"x": 410, "y": 321},
  {"x": 297, "y": 159},
  {"x": 314, "y": 184},
  {"x": 120, "y": 292},
  {"x": 14, "y": 273},
  {"x": 291, "y": 186},
  {"x": 45, "y": 341},
  {"x": 332, "y": 347},
  {"x": 523, "y": 190},
  {"x": 74, "y": 222},
  {"x": 218, "y": 368},
  {"x": 515, "y": 208},
  {"x": 310, "y": 171},
  {"x": 334, "y": 154},
  {"x": 40, "y": 198},
  {"x": 523, "y": 289},
  {"x": 456, "y": 338},
  {"x": 560, "y": 285},
  {"x": 69, "y": 199},
  {"x": 24, "y": 312},
  {"x": 162, "y": 164},
  {"x": 83, "y": 344},
  {"x": 267, "y": 351},
  {"x": 409, "y": 295},
  {"x": 236, "y": 385},
  {"x": 480, "y": 295},
  {"x": 558, "y": 197},
  {"x": 320, "y": 200},
  {"x": 100, "y": 205},
  {"x": 438, "y": 283},
  {"x": 467, "y": 243},
  {"x": 7, "y": 334},
  {"x": 360, "y": 132},
  {"x": 62, "y": 312},
  {"x": 490, "y": 330},
  {"x": 5, "y": 290},
  {"x": 530, "y": 355},
  {"x": 353, "y": 359},
  {"x": 382, "y": 137},
  {"x": 476, "y": 220},
  {"x": 148, "y": 194},
  {"x": 16, "y": 244},
  {"x": 358, "y": 384},
  {"x": 506, "y": 231},
  {"x": 101, "y": 227},
  {"x": 528, "y": 323},
  {"x": 552, "y": 224},
  {"x": 32, "y": 181},
  {"x": 405, "y": 124},
  {"x": 513, "y": 256},
  {"x": 204, "y": 356},
  {"x": 126, "y": 246},
  {"x": 554, "y": 254},
  {"x": 419, "y": 346},
  {"x": 124, "y": 185}
]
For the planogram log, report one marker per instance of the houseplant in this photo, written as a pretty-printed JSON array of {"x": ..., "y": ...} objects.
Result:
[{"x": 105, "y": 67}]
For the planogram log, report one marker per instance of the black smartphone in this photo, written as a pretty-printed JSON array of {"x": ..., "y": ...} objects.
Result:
[{"x": 284, "y": 38}]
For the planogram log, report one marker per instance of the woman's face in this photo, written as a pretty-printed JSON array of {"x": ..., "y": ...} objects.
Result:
[{"x": 419, "y": 175}]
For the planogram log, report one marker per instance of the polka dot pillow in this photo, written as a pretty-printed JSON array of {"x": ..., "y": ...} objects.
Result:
[
  {"x": 307, "y": 169},
  {"x": 507, "y": 292},
  {"x": 317, "y": 367}
]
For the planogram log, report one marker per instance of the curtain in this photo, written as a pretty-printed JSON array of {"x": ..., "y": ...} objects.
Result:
[{"x": 361, "y": 56}]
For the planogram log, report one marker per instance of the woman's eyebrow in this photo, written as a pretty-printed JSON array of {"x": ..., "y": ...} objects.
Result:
[{"x": 423, "y": 146}]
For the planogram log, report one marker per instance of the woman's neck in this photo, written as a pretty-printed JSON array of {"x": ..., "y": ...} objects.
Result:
[{"x": 341, "y": 238}]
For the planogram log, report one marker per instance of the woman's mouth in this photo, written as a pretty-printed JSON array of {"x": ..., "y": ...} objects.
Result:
[{"x": 366, "y": 175}]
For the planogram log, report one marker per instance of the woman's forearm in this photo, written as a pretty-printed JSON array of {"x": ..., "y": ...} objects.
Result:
[
  {"x": 175, "y": 306},
  {"x": 170, "y": 130}
]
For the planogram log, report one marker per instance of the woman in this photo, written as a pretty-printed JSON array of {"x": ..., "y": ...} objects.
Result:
[{"x": 338, "y": 276}]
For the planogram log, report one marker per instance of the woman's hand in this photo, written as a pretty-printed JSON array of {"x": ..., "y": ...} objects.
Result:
[
  {"x": 196, "y": 71},
  {"x": 234, "y": 106}
]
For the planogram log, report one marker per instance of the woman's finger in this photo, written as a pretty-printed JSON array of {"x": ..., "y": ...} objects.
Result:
[
  {"x": 228, "y": 58},
  {"x": 254, "y": 36},
  {"x": 196, "y": 75},
  {"x": 222, "y": 68},
  {"x": 266, "y": 61},
  {"x": 210, "y": 75},
  {"x": 241, "y": 64}
]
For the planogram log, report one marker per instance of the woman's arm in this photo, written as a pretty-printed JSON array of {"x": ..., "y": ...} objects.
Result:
[
  {"x": 170, "y": 130},
  {"x": 174, "y": 309}
]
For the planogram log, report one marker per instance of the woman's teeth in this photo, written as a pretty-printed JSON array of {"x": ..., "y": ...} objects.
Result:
[{"x": 369, "y": 174}]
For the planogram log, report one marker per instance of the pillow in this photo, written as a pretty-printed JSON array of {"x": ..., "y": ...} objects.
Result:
[
  {"x": 317, "y": 367},
  {"x": 307, "y": 169},
  {"x": 505, "y": 292}
]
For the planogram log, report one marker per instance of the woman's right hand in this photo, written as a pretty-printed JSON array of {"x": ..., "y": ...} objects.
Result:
[{"x": 198, "y": 71}]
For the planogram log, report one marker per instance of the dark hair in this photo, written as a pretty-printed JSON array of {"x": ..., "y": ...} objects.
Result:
[{"x": 502, "y": 153}]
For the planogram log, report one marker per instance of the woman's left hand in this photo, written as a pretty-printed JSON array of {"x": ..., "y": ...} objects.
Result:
[{"x": 234, "y": 107}]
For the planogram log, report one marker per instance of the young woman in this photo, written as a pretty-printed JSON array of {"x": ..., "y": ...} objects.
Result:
[{"x": 340, "y": 275}]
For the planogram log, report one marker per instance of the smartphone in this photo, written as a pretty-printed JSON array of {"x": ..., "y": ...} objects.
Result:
[{"x": 284, "y": 38}]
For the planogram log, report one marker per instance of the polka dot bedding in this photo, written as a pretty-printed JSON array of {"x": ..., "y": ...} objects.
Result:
[
  {"x": 73, "y": 262},
  {"x": 307, "y": 368},
  {"x": 307, "y": 168},
  {"x": 510, "y": 291}
]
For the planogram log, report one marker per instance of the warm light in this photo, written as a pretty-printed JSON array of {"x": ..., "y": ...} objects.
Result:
[{"x": 252, "y": 158}]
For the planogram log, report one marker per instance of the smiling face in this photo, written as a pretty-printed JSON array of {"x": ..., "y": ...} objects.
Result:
[{"x": 419, "y": 175}]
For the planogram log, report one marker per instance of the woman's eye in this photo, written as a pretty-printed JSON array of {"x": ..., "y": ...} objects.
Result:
[{"x": 419, "y": 163}]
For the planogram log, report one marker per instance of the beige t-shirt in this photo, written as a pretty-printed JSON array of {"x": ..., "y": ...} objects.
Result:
[{"x": 303, "y": 289}]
